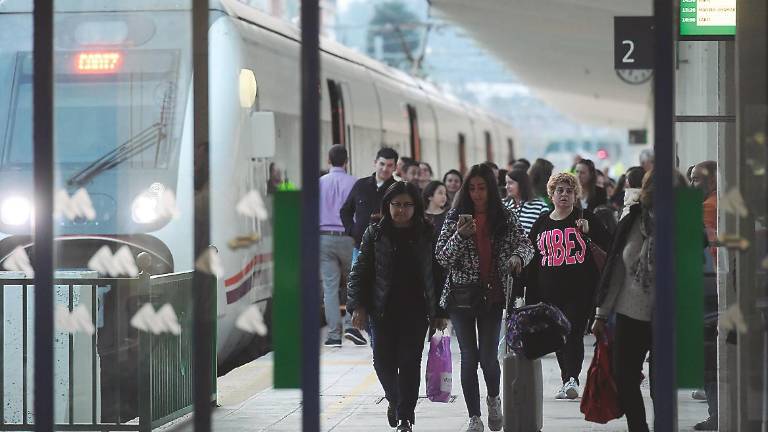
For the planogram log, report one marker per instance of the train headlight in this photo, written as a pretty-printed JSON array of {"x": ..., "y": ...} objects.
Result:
[
  {"x": 249, "y": 88},
  {"x": 16, "y": 211},
  {"x": 145, "y": 209}
]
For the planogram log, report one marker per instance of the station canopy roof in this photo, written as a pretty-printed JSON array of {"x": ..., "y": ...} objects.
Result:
[{"x": 562, "y": 50}]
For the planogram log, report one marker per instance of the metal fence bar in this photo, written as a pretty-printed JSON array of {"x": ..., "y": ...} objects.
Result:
[
  {"x": 2, "y": 355},
  {"x": 24, "y": 351},
  {"x": 118, "y": 317},
  {"x": 71, "y": 357},
  {"x": 94, "y": 353}
]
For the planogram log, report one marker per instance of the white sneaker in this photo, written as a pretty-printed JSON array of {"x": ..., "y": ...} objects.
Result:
[
  {"x": 571, "y": 389},
  {"x": 495, "y": 415},
  {"x": 560, "y": 393},
  {"x": 475, "y": 425}
]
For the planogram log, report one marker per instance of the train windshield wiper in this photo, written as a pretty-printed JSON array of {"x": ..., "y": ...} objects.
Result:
[{"x": 151, "y": 136}]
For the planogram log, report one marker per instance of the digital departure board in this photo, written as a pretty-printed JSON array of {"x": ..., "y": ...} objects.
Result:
[{"x": 707, "y": 19}]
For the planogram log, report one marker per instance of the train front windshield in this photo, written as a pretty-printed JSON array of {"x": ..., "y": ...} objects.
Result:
[{"x": 104, "y": 100}]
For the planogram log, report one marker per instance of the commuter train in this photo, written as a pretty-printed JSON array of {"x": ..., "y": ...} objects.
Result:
[{"x": 123, "y": 132}]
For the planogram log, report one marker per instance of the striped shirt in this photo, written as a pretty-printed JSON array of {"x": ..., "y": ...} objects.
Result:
[{"x": 528, "y": 212}]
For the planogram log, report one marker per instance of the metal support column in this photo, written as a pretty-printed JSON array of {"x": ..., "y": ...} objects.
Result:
[
  {"x": 43, "y": 229},
  {"x": 751, "y": 290},
  {"x": 310, "y": 235},
  {"x": 203, "y": 351},
  {"x": 664, "y": 349}
]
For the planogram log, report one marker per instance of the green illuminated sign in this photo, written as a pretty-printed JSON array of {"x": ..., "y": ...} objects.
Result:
[{"x": 711, "y": 18}]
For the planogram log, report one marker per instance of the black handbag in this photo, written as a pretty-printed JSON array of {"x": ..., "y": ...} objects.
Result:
[{"x": 470, "y": 297}]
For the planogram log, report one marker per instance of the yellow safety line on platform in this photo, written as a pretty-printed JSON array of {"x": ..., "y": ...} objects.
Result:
[
  {"x": 354, "y": 393},
  {"x": 347, "y": 362}
]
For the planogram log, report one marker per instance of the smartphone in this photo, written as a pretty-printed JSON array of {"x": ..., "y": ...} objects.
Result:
[{"x": 464, "y": 218}]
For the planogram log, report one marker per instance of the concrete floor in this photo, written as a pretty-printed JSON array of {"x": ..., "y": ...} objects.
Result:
[{"x": 352, "y": 399}]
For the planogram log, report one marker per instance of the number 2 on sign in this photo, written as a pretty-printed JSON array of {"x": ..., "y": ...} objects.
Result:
[{"x": 630, "y": 48}]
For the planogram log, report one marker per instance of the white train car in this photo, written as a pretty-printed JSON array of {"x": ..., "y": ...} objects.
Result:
[{"x": 255, "y": 128}]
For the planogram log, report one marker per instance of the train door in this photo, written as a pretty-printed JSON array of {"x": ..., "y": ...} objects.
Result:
[
  {"x": 413, "y": 128},
  {"x": 488, "y": 146},
  {"x": 341, "y": 114},
  {"x": 462, "y": 153},
  {"x": 346, "y": 100},
  {"x": 338, "y": 126}
]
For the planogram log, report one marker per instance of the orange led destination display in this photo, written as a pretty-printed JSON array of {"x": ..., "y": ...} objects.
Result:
[{"x": 98, "y": 62}]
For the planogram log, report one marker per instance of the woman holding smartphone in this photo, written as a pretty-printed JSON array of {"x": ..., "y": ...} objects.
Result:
[{"x": 480, "y": 244}]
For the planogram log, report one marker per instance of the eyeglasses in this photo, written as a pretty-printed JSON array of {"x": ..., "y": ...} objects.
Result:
[
  {"x": 563, "y": 191},
  {"x": 399, "y": 205}
]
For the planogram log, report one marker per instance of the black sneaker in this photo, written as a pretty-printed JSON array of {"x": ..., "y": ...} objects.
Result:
[
  {"x": 709, "y": 424},
  {"x": 356, "y": 337},
  {"x": 332, "y": 342},
  {"x": 405, "y": 426},
  {"x": 392, "y": 415}
]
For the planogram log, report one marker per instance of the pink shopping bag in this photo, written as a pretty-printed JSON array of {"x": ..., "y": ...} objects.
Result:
[{"x": 439, "y": 368}]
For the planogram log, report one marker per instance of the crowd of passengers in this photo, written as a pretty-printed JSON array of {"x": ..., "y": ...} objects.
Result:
[{"x": 407, "y": 241}]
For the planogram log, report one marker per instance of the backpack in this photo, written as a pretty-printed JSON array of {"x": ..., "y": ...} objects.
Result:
[{"x": 537, "y": 330}]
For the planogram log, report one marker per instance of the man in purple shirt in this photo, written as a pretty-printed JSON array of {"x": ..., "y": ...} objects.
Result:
[{"x": 336, "y": 246}]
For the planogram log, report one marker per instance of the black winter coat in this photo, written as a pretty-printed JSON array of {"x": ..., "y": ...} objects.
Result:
[
  {"x": 363, "y": 200},
  {"x": 600, "y": 197},
  {"x": 370, "y": 281}
]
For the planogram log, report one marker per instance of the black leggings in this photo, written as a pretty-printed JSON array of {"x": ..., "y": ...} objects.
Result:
[
  {"x": 631, "y": 345},
  {"x": 571, "y": 356},
  {"x": 397, "y": 360}
]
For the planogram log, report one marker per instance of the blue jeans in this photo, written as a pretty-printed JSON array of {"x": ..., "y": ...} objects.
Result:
[
  {"x": 335, "y": 261},
  {"x": 478, "y": 336}
]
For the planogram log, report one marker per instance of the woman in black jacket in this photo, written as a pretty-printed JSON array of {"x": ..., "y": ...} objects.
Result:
[
  {"x": 563, "y": 272},
  {"x": 392, "y": 280}
]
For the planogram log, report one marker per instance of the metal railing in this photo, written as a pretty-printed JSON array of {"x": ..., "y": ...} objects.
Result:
[{"x": 117, "y": 378}]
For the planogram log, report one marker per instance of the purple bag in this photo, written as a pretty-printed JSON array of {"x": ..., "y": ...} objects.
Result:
[
  {"x": 439, "y": 369},
  {"x": 536, "y": 330}
]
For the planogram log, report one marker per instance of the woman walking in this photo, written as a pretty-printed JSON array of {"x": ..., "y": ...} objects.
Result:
[
  {"x": 435, "y": 198},
  {"x": 481, "y": 242},
  {"x": 626, "y": 288},
  {"x": 392, "y": 281},
  {"x": 592, "y": 195},
  {"x": 540, "y": 172},
  {"x": 452, "y": 180},
  {"x": 521, "y": 200},
  {"x": 563, "y": 272}
]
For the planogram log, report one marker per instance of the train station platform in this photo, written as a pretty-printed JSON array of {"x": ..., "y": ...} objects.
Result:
[{"x": 352, "y": 399}]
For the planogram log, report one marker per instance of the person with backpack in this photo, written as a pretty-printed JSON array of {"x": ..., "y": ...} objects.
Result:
[
  {"x": 480, "y": 244},
  {"x": 564, "y": 273},
  {"x": 392, "y": 282}
]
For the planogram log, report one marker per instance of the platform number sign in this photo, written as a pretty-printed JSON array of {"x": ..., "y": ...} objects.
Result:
[{"x": 633, "y": 48}]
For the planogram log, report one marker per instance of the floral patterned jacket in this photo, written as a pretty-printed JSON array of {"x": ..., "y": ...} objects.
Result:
[{"x": 459, "y": 256}]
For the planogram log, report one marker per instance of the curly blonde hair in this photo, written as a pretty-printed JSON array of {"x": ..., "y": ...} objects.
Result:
[{"x": 565, "y": 178}]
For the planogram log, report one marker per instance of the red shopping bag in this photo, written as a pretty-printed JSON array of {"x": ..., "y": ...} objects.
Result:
[{"x": 600, "y": 401}]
